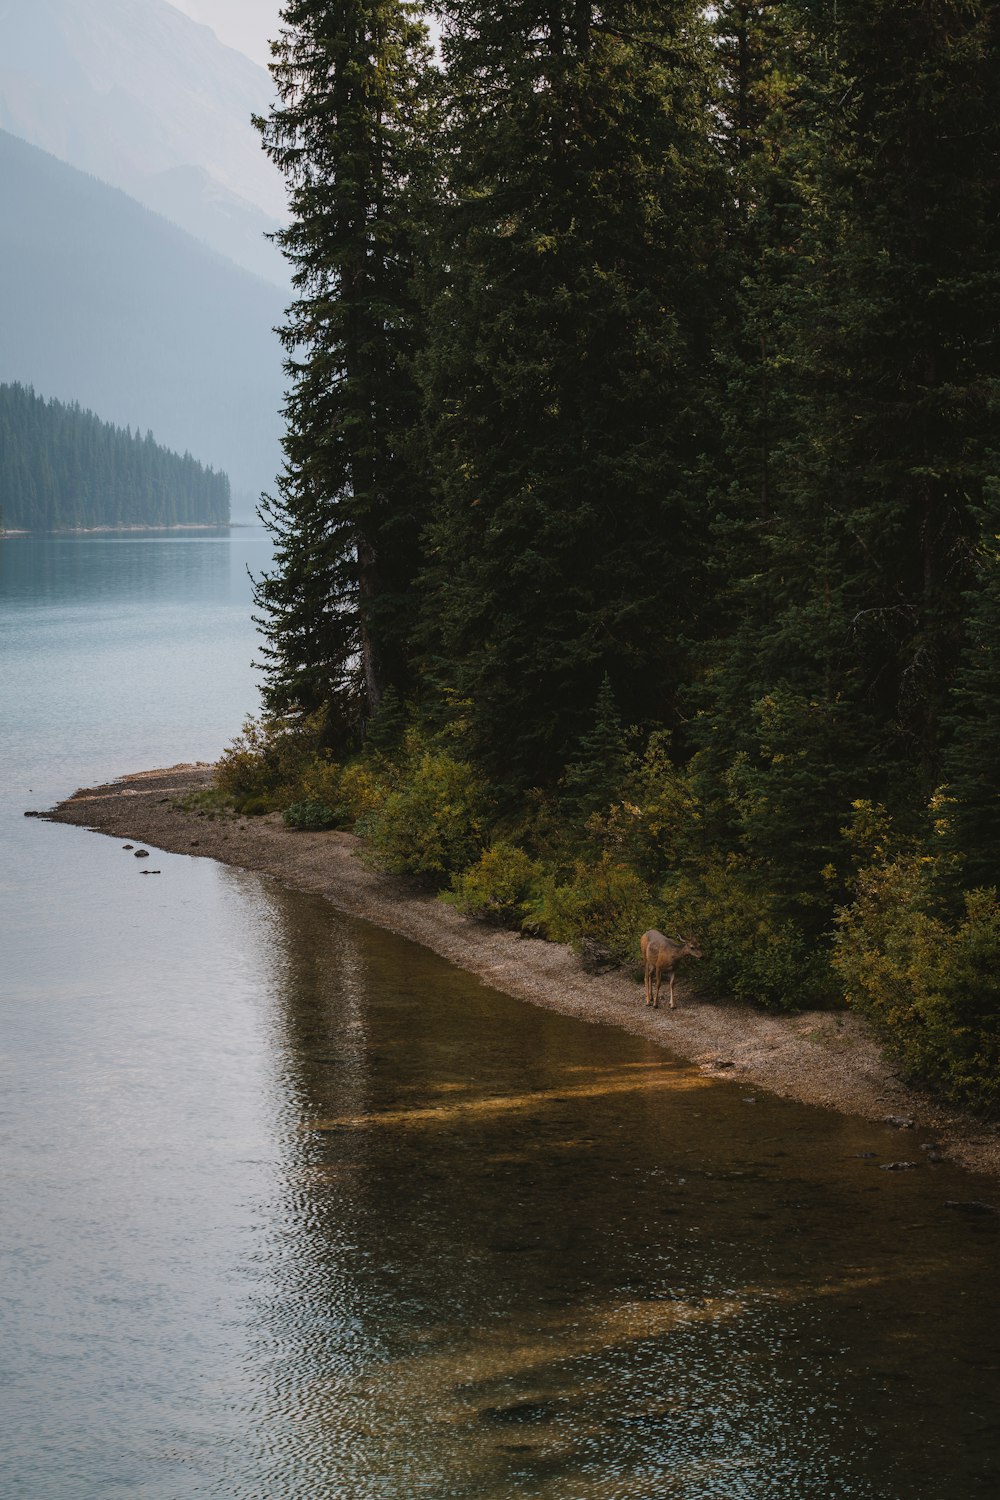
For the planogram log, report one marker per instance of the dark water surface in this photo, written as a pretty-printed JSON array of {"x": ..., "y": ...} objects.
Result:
[{"x": 293, "y": 1211}]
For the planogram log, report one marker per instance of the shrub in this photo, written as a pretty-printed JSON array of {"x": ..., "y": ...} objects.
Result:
[
  {"x": 606, "y": 903},
  {"x": 502, "y": 886},
  {"x": 266, "y": 760},
  {"x": 364, "y": 786},
  {"x": 928, "y": 980},
  {"x": 431, "y": 824},
  {"x": 754, "y": 950},
  {"x": 254, "y": 807},
  {"x": 657, "y": 823},
  {"x": 320, "y": 781},
  {"x": 313, "y": 816}
]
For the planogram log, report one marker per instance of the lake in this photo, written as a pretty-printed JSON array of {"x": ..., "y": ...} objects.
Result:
[{"x": 292, "y": 1210}]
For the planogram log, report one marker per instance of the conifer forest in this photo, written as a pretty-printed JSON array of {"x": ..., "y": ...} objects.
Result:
[
  {"x": 62, "y": 468},
  {"x": 637, "y": 553}
]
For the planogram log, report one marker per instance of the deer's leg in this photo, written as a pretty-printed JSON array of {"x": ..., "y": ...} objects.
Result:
[
  {"x": 646, "y": 984},
  {"x": 656, "y": 997},
  {"x": 672, "y": 1005}
]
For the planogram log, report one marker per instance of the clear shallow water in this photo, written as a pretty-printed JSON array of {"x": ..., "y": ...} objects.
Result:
[{"x": 292, "y": 1209}]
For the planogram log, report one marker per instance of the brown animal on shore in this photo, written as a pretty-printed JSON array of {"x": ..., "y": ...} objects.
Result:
[{"x": 661, "y": 955}]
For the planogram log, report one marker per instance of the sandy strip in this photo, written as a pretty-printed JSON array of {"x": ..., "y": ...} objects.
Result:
[{"x": 815, "y": 1057}]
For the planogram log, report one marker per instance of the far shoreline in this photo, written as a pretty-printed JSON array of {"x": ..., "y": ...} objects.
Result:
[
  {"x": 822, "y": 1058},
  {"x": 115, "y": 530}
]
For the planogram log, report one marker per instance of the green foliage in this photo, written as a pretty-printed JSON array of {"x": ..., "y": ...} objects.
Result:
[
  {"x": 387, "y": 728},
  {"x": 432, "y": 822},
  {"x": 364, "y": 786},
  {"x": 62, "y": 467},
  {"x": 605, "y": 903},
  {"x": 593, "y": 780},
  {"x": 267, "y": 760},
  {"x": 656, "y": 827},
  {"x": 659, "y": 371},
  {"x": 313, "y": 815},
  {"x": 503, "y": 886},
  {"x": 752, "y": 950},
  {"x": 570, "y": 313},
  {"x": 349, "y": 130},
  {"x": 209, "y": 802},
  {"x": 255, "y": 806},
  {"x": 321, "y": 780},
  {"x": 972, "y": 756},
  {"x": 928, "y": 981}
]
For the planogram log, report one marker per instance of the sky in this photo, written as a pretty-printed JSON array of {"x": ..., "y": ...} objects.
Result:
[{"x": 246, "y": 25}]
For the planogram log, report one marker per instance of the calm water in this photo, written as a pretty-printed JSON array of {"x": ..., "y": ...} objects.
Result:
[{"x": 293, "y": 1211}]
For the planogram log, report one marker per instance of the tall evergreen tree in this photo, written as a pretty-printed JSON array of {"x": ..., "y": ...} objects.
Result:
[
  {"x": 876, "y": 293},
  {"x": 569, "y": 338},
  {"x": 349, "y": 131},
  {"x": 972, "y": 759}
]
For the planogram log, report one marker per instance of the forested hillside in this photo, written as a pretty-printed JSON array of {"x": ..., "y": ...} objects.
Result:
[
  {"x": 61, "y": 467},
  {"x": 640, "y": 508}
]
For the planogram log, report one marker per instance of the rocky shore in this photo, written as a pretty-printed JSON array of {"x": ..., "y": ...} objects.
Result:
[{"x": 817, "y": 1057}]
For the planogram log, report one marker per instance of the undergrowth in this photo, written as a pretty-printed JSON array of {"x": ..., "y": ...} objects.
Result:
[{"x": 895, "y": 935}]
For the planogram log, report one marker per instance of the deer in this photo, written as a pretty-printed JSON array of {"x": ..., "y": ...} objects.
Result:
[{"x": 662, "y": 955}]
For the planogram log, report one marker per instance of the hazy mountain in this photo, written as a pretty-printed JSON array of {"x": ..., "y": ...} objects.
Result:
[
  {"x": 144, "y": 97},
  {"x": 104, "y": 303},
  {"x": 248, "y": 25}
]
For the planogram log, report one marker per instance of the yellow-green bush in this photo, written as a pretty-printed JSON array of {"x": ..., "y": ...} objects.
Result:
[
  {"x": 605, "y": 903},
  {"x": 431, "y": 824},
  {"x": 364, "y": 786},
  {"x": 502, "y": 886},
  {"x": 658, "y": 821},
  {"x": 928, "y": 979},
  {"x": 320, "y": 781},
  {"x": 265, "y": 762}
]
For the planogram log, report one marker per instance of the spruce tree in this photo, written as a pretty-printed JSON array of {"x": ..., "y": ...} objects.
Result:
[
  {"x": 595, "y": 777},
  {"x": 569, "y": 336},
  {"x": 874, "y": 288},
  {"x": 972, "y": 759},
  {"x": 350, "y": 132}
]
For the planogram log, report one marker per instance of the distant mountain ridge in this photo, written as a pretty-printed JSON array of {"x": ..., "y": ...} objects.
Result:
[
  {"x": 247, "y": 25},
  {"x": 143, "y": 97},
  {"x": 104, "y": 303}
]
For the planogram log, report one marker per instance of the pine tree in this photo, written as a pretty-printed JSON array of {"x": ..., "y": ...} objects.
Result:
[
  {"x": 349, "y": 132},
  {"x": 972, "y": 759},
  {"x": 569, "y": 337},
  {"x": 62, "y": 467},
  {"x": 595, "y": 777},
  {"x": 873, "y": 292}
]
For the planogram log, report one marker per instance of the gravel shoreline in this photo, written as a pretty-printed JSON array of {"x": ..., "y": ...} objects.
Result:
[{"x": 815, "y": 1057}]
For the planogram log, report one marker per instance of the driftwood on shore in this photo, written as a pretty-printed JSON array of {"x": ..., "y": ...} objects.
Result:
[{"x": 816, "y": 1057}]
